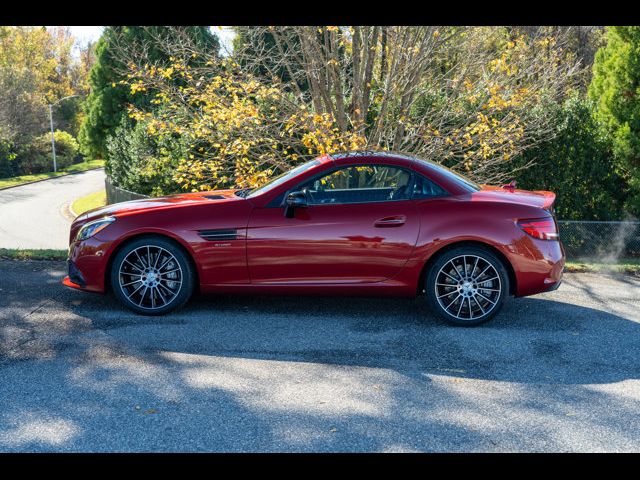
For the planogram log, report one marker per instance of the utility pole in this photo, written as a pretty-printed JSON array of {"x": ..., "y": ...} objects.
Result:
[{"x": 53, "y": 138}]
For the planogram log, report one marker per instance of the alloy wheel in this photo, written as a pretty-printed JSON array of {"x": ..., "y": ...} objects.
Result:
[
  {"x": 468, "y": 287},
  {"x": 150, "y": 277}
]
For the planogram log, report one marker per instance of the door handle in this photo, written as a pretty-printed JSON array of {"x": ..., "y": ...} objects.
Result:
[{"x": 394, "y": 221}]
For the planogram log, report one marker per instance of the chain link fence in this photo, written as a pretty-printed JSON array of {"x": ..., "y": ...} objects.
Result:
[{"x": 605, "y": 241}]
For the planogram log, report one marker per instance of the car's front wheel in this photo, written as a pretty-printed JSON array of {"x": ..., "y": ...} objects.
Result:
[
  {"x": 467, "y": 285},
  {"x": 152, "y": 276}
]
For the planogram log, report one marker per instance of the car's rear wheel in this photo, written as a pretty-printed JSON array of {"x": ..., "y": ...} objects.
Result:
[
  {"x": 152, "y": 276},
  {"x": 467, "y": 285}
]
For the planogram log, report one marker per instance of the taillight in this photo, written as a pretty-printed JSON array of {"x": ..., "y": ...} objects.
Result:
[{"x": 540, "y": 228}]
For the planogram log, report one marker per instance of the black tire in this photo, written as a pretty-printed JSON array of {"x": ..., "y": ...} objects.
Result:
[
  {"x": 161, "y": 250},
  {"x": 474, "y": 301}
]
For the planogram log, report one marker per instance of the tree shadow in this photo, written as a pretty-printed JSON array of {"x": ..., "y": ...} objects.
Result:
[
  {"x": 240, "y": 373},
  {"x": 533, "y": 340},
  {"x": 99, "y": 394}
]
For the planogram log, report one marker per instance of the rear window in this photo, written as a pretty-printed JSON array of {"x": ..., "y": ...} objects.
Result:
[
  {"x": 454, "y": 177},
  {"x": 424, "y": 188}
]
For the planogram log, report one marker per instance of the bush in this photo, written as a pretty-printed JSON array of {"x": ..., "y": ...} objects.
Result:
[
  {"x": 66, "y": 146},
  {"x": 141, "y": 163},
  {"x": 578, "y": 165},
  {"x": 36, "y": 157},
  {"x": 7, "y": 157}
]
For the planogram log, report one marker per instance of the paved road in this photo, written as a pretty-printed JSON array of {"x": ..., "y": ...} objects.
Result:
[
  {"x": 36, "y": 215},
  {"x": 555, "y": 372}
]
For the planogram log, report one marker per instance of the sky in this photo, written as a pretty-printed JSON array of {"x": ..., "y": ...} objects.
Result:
[{"x": 92, "y": 33}]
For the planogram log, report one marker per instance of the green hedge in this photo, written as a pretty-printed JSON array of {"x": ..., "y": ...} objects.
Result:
[{"x": 577, "y": 165}]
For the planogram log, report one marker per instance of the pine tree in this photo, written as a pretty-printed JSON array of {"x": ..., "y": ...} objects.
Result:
[
  {"x": 106, "y": 104},
  {"x": 616, "y": 89}
]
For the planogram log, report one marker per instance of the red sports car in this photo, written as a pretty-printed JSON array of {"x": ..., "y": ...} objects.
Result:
[{"x": 355, "y": 224}]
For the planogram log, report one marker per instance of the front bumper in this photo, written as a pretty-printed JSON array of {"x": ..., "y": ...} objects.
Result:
[
  {"x": 75, "y": 275},
  {"x": 67, "y": 282},
  {"x": 87, "y": 265}
]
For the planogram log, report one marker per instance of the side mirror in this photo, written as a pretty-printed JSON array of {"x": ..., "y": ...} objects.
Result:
[{"x": 295, "y": 200}]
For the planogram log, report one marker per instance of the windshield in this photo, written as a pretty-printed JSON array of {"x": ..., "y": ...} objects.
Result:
[
  {"x": 453, "y": 176},
  {"x": 280, "y": 179}
]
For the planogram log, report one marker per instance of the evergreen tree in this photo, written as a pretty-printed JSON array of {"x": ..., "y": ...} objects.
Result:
[
  {"x": 616, "y": 89},
  {"x": 106, "y": 104}
]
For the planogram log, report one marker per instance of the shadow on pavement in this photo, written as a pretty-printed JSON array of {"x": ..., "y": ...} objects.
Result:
[{"x": 234, "y": 373}]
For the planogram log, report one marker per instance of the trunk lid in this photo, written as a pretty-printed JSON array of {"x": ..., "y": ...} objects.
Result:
[{"x": 535, "y": 198}]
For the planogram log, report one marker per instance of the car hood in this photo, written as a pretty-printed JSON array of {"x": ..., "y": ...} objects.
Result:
[
  {"x": 534, "y": 198},
  {"x": 170, "y": 201}
]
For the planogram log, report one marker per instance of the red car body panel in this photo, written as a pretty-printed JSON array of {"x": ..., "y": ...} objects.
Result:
[
  {"x": 378, "y": 248},
  {"x": 331, "y": 243}
]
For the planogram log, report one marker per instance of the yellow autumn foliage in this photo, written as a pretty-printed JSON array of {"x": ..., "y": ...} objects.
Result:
[
  {"x": 235, "y": 127},
  {"x": 241, "y": 129}
]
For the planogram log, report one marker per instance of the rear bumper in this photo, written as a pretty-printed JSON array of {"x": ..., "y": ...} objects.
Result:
[
  {"x": 538, "y": 266},
  {"x": 554, "y": 286}
]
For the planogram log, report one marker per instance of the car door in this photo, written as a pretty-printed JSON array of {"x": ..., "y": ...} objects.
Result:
[{"x": 360, "y": 226}]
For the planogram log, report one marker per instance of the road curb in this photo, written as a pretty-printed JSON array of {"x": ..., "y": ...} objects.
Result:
[
  {"x": 52, "y": 178},
  {"x": 68, "y": 212}
]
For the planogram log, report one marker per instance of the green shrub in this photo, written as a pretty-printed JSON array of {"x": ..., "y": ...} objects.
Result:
[
  {"x": 66, "y": 145},
  {"x": 7, "y": 158},
  {"x": 36, "y": 157},
  {"x": 578, "y": 165},
  {"x": 140, "y": 163}
]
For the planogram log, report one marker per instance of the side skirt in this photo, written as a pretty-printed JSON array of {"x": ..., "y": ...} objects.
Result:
[{"x": 387, "y": 289}]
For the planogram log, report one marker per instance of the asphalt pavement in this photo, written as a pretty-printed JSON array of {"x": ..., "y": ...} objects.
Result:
[
  {"x": 555, "y": 372},
  {"x": 37, "y": 215}
]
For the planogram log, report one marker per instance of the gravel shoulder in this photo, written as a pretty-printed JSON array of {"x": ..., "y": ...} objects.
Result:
[{"x": 555, "y": 372}]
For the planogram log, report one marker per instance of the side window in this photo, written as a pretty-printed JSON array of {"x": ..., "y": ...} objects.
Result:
[
  {"x": 425, "y": 188},
  {"x": 358, "y": 184}
]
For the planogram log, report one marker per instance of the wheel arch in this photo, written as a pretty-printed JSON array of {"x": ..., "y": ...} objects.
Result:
[
  {"x": 137, "y": 236},
  {"x": 470, "y": 243}
]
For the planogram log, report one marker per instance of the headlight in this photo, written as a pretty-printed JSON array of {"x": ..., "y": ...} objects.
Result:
[{"x": 91, "y": 228}]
